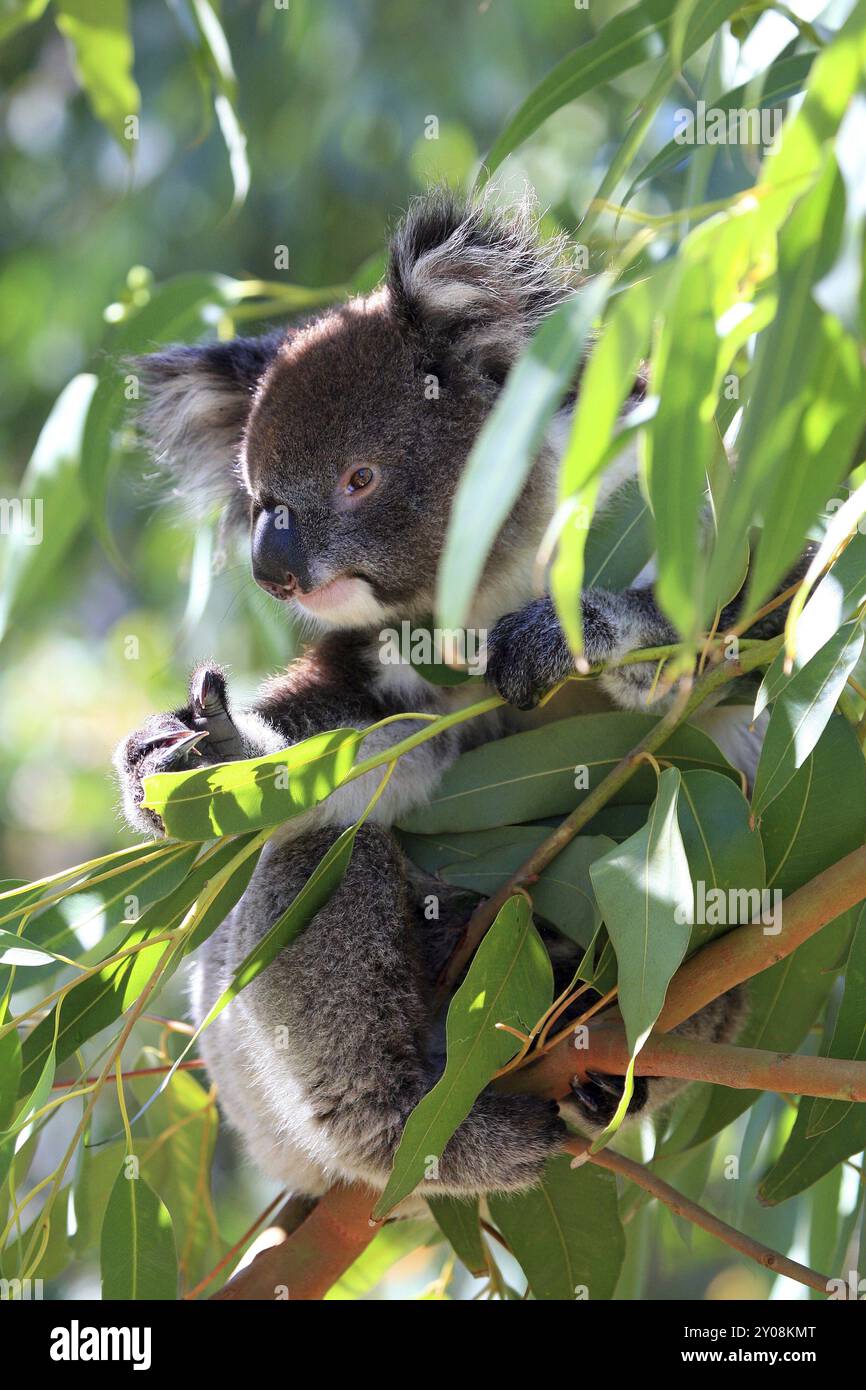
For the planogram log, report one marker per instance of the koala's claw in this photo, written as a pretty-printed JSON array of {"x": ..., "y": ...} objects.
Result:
[
  {"x": 180, "y": 743},
  {"x": 210, "y": 713},
  {"x": 598, "y": 1096}
]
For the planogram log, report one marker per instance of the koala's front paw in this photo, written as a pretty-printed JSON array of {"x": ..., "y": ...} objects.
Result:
[
  {"x": 598, "y": 1096},
  {"x": 164, "y": 743},
  {"x": 527, "y": 654},
  {"x": 202, "y": 732}
]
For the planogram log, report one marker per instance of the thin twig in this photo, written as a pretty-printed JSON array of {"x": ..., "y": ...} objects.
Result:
[
  {"x": 689, "y": 700},
  {"x": 764, "y": 1255}
]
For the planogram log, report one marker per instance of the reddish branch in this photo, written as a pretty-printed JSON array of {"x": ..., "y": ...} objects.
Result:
[
  {"x": 743, "y": 1068},
  {"x": 310, "y": 1259}
]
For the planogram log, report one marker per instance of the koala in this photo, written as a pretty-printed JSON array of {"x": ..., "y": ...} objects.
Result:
[{"x": 326, "y": 439}]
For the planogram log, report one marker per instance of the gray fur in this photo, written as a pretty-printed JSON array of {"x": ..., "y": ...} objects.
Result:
[{"x": 322, "y": 1058}]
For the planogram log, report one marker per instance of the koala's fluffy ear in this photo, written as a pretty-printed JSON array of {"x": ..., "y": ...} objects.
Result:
[
  {"x": 194, "y": 405},
  {"x": 476, "y": 278}
]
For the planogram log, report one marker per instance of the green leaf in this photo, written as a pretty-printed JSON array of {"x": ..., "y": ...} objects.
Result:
[
  {"x": 215, "y": 57},
  {"x": 509, "y": 981},
  {"x": 95, "y": 1003},
  {"x": 644, "y": 890},
  {"x": 623, "y": 43},
  {"x": 459, "y": 1220},
  {"x": 179, "y": 1168},
  {"x": 507, "y": 446},
  {"x": 10, "y": 1082},
  {"x": 681, "y": 443},
  {"x": 34, "y": 1102},
  {"x": 437, "y": 852},
  {"x": 835, "y": 599},
  {"x": 725, "y": 854},
  {"x": 620, "y": 541},
  {"x": 822, "y": 816},
  {"x": 174, "y": 310},
  {"x": 563, "y": 891},
  {"x": 566, "y": 1233},
  {"x": 608, "y": 379},
  {"x": 99, "y": 33},
  {"x": 251, "y": 792},
  {"x": 801, "y": 711},
  {"x": 127, "y": 889},
  {"x": 549, "y": 771},
  {"x": 95, "y": 1176},
  {"x": 827, "y": 1131},
  {"x": 52, "y": 508},
  {"x": 620, "y": 45},
  {"x": 14, "y": 950},
  {"x": 138, "y": 1260},
  {"x": 783, "y": 79},
  {"x": 801, "y": 152},
  {"x": 10, "y": 1076},
  {"x": 319, "y": 887},
  {"x": 820, "y": 819},
  {"x": 840, "y": 290},
  {"x": 805, "y": 409}
]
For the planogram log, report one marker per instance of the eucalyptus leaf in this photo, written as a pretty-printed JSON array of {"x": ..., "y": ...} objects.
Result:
[
  {"x": 644, "y": 890},
  {"x": 138, "y": 1260},
  {"x": 549, "y": 771},
  {"x": 459, "y": 1220},
  {"x": 801, "y": 711},
  {"x": 99, "y": 31},
  {"x": 251, "y": 792},
  {"x": 566, "y": 1232},
  {"x": 507, "y": 446}
]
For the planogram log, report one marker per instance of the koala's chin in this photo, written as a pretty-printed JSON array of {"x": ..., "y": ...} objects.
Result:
[{"x": 340, "y": 603}]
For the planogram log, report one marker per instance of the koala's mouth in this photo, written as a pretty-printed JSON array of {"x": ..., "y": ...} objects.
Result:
[{"x": 334, "y": 594}]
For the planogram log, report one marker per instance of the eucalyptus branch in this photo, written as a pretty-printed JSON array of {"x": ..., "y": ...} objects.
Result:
[
  {"x": 314, "y": 1255},
  {"x": 742, "y": 1068},
  {"x": 731, "y": 960}
]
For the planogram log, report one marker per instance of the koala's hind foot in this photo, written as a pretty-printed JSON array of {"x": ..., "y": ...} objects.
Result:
[{"x": 597, "y": 1096}]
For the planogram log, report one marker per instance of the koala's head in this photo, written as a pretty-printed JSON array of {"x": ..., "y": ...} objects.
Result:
[{"x": 342, "y": 440}]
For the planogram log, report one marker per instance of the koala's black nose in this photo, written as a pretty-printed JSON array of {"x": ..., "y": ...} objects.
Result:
[{"x": 279, "y": 557}]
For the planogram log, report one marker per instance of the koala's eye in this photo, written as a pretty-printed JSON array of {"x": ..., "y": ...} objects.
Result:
[
  {"x": 362, "y": 477},
  {"x": 357, "y": 483}
]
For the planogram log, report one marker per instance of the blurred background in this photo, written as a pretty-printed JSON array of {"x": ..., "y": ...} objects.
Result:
[{"x": 329, "y": 123}]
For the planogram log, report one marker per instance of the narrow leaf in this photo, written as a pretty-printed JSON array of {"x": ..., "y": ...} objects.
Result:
[
  {"x": 509, "y": 981},
  {"x": 138, "y": 1260}
]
